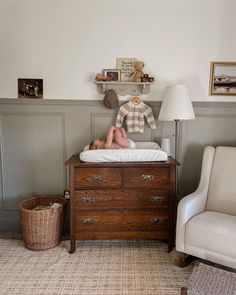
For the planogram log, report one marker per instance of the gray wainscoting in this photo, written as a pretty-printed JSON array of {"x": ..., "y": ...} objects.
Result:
[{"x": 37, "y": 136}]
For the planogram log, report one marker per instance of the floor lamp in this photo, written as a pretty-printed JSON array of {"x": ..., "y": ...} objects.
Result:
[{"x": 176, "y": 106}]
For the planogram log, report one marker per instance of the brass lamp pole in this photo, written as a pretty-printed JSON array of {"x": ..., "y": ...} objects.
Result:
[{"x": 177, "y": 124}]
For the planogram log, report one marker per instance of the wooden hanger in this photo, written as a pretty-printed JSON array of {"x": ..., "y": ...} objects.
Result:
[{"x": 136, "y": 100}]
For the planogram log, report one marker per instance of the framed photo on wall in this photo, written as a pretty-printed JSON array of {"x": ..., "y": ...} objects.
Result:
[
  {"x": 223, "y": 78},
  {"x": 113, "y": 75},
  {"x": 30, "y": 88}
]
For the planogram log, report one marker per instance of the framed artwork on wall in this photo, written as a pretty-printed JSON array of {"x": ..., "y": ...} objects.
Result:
[
  {"x": 223, "y": 78},
  {"x": 30, "y": 88},
  {"x": 112, "y": 74}
]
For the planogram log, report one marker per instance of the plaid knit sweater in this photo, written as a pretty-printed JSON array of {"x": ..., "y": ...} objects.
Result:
[{"x": 135, "y": 116}]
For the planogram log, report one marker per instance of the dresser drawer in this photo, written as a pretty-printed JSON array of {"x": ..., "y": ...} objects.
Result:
[
  {"x": 97, "y": 177},
  {"x": 105, "y": 199},
  {"x": 122, "y": 220},
  {"x": 147, "y": 177}
]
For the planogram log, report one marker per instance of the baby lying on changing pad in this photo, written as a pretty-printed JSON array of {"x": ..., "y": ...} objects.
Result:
[{"x": 116, "y": 139}]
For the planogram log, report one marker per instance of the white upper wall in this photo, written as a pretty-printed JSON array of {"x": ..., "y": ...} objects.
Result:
[{"x": 66, "y": 42}]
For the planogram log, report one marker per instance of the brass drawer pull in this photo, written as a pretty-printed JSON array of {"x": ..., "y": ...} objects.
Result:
[
  {"x": 87, "y": 220},
  {"x": 88, "y": 200},
  {"x": 97, "y": 178},
  {"x": 147, "y": 177},
  {"x": 157, "y": 220},
  {"x": 157, "y": 199}
]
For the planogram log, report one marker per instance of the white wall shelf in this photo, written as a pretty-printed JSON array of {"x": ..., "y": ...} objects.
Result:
[{"x": 124, "y": 88}]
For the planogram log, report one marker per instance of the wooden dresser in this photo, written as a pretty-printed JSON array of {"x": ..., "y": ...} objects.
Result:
[{"x": 122, "y": 200}]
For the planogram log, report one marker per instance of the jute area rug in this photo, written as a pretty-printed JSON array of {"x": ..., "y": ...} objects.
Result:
[
  {"x": 206, "y": 279},
  {"x": 97, "y": 268}
]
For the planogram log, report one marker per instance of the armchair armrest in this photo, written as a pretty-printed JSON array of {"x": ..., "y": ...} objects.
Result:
[{"x": 194, "y": 203}]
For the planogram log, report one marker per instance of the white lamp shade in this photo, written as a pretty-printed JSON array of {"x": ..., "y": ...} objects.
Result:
[{"x": 176, "y": 104}]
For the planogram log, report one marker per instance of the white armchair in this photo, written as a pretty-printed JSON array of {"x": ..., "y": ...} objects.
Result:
[{"x": 206, "y": 219}]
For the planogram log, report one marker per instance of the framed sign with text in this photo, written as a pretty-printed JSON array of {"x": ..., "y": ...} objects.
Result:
[{"x": 126, "y": 66}]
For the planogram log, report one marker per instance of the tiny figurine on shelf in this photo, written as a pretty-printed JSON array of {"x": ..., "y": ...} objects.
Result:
[
  {"x": 146, "y": 78},
  {"x": 100, "y": 77},
  {"x": 138, "y": 71}
]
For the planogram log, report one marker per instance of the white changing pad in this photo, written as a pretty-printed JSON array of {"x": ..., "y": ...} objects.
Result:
[
  {"x": 139, "y": 145},
  {"x": 145, "y": 152}
]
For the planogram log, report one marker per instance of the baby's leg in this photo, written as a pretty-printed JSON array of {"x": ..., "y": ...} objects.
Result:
[
  {"x": 120, "y": 140},
  {"x": 122, "y": 130}
]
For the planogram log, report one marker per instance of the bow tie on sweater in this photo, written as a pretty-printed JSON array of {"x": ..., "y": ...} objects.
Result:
[{"x": 135, "y": 116}]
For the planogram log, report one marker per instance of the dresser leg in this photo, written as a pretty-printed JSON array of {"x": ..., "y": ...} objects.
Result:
[
  {"x": 72, "y": 246},
  {"x": 170, "y": 244}
]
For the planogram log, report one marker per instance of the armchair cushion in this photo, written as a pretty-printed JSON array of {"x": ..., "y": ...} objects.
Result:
[
  {"x": 222, "y": 187},
  {"x": 213, "y": 232}
]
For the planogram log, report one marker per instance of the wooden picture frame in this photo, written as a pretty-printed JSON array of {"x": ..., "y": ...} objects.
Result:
[
  {"x": 222, "y": 78},
  {"x": 112, "y": 74}
]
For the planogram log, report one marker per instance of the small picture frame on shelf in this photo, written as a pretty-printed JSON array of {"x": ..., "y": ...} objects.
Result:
[
  {"x": 112, "y": 74},
  {"x": 223, "y": 78}
]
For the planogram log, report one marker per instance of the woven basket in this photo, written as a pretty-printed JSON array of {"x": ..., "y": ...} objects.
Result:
[{"x": 41, "y": 230}]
